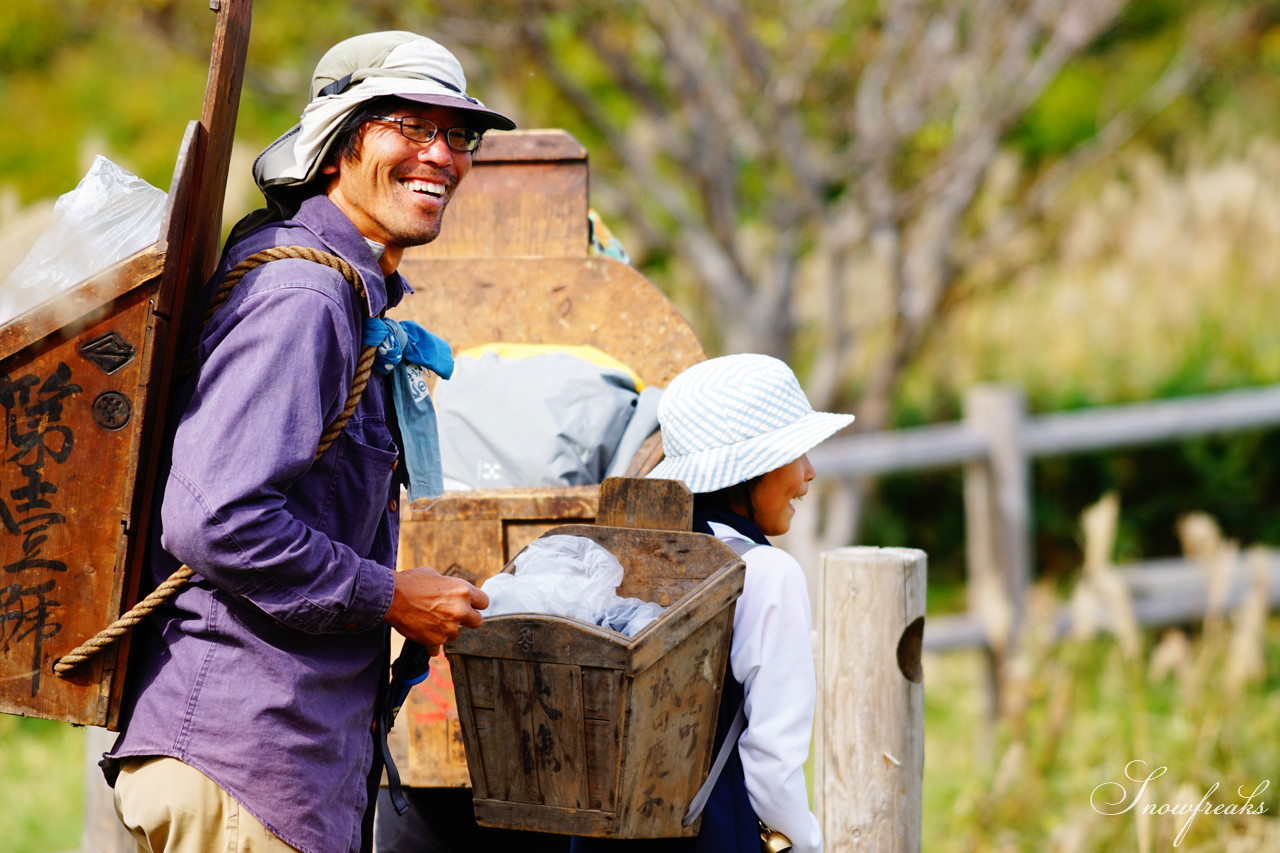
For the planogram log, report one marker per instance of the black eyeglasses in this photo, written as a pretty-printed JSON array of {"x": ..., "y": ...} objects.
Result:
[{"x": 464, "y": 140}]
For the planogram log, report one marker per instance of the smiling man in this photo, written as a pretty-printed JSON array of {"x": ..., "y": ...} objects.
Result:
[{"x": 249, "y": 717}]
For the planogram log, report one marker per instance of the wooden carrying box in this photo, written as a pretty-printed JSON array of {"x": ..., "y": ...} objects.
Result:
[
  {"x": 470, "y": 535},
  {"x": 83, "y": 381},
  {"x": 575, "y": 729}
]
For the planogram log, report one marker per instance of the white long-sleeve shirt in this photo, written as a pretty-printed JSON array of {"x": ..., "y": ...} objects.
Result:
[{"x": 772, "y": 657}]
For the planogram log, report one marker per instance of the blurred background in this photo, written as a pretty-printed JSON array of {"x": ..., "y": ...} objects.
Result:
[{"x": 907, "y": 201}]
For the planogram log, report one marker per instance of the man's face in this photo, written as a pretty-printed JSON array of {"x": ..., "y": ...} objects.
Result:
[{"x": 395, "y": 190}]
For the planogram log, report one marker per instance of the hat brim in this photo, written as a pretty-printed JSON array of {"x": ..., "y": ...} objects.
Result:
[
  {"x": 721, "y": 467},
  {"x": 481, "y": 118}
]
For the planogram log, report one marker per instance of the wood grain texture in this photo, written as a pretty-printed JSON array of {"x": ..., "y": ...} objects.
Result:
[
  {"x": 869, "y": 726},
  {"x": 640, "y": 711}
]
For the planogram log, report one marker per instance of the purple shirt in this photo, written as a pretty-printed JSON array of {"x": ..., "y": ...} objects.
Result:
[{"x": 264, "y": 671}]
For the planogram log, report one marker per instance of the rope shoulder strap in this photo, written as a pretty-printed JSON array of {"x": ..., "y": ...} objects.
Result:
[{"x": 364, "y": 368}]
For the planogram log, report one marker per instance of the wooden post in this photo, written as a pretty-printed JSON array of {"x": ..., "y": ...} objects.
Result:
[
  {"x": 997, "y": 496},
  {"x": 869, "y": 726}
]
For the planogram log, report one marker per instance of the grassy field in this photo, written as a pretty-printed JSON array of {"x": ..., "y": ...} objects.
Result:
[{"x": 1114, "y": 738}]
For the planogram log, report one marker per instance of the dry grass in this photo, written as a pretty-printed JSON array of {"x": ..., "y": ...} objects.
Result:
[
  {"x": 1150, "y": 280},
  {"x": 1079, "y": 715}
]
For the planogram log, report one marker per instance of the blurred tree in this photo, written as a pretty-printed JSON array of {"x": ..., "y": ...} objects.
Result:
[
  {"x": 815, "y": 166},
  {"x": 819, "y": 174}
]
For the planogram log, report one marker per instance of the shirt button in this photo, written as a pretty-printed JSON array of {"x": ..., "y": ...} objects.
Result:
[{"x": 393, "y": 504}]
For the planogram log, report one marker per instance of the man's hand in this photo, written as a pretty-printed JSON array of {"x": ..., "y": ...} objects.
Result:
[{"x": 433, "y": 609}]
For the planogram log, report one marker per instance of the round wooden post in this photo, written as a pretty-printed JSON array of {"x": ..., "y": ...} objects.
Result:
[{"x": 869, "y": 727}]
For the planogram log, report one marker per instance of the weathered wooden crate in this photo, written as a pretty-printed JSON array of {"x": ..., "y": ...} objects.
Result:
[
  {"x": 83, "y": 382},
  {"x": 470, "y": 535},
  {"x": 575, "y": 729}
]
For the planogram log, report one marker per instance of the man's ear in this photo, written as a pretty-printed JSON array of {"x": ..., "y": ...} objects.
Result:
[{"x": 329, "y": 169}]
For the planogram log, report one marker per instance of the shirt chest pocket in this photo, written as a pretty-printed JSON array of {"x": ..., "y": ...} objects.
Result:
[{"x": 359, "y": 484}]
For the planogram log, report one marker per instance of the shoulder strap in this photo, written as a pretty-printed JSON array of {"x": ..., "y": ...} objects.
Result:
[
  {"x": 364, "y": 366},
  {"x": 730, "y": 742}
]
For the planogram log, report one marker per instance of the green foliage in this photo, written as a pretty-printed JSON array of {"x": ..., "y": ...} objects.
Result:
[
  {"x": 42, "y": 776},
  {"x": 1066, "y": 115}
]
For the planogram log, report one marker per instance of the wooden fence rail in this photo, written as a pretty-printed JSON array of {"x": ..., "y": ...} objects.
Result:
[{"x": 995, "y": 444}]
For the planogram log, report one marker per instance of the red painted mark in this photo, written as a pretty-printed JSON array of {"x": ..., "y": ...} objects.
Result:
[{"x": 433, "y": 699}]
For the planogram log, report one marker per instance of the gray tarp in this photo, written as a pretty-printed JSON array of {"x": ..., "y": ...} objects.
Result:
[{"x": 551, "y": 419}]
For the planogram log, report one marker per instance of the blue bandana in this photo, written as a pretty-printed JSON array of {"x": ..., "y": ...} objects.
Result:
[{"x": 408, "y": 351}]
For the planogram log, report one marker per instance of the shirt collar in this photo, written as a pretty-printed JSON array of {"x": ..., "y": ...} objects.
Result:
[{"x": 323, "y": 218}]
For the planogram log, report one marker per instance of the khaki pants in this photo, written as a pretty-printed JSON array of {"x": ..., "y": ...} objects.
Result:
[{"x": 170, "y": 807}]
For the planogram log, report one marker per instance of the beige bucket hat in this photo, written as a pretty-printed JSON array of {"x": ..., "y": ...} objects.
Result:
[{"x": 402, "y": 64}]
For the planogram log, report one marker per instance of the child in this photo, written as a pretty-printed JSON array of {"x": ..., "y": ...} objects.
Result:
[{"x": 736, "y": 430}]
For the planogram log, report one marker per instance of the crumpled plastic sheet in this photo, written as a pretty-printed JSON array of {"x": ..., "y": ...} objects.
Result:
[
  {"x": 110, "y": 215},
  {"x": 569, "y": 576}
]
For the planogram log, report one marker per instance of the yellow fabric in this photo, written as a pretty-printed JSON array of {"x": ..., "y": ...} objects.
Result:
[
  {"x": 586, "y": 352},
  {"x": 170, "y": 807}
]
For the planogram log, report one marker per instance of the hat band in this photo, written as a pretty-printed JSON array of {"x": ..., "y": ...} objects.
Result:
[{"x": 340, "y": 85}]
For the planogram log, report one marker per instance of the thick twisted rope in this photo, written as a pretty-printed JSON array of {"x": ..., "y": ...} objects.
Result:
[{"x": 111, "y": 634}]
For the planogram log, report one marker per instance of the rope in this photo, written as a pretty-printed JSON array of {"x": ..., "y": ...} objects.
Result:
[{"x": 111, "y": 634}]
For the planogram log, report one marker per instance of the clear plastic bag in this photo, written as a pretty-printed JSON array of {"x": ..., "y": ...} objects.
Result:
[
  {"x": 108, "y": 216},
  {"x": 568, "y": 576}
]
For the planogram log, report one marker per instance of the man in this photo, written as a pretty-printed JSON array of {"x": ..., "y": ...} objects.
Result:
[{"x": 249, "y": 717}]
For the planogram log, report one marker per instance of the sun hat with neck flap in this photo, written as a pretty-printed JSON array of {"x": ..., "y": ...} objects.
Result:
[
  {"x": 397, "y": 63},
  {"x": 728, "y": 419}
]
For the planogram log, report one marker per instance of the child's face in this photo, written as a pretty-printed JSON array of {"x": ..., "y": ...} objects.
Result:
[{"x": 772, "y": 495}]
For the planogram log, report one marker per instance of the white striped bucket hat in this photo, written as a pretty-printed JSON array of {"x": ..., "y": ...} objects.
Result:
[{"x": 728, "y": 419}]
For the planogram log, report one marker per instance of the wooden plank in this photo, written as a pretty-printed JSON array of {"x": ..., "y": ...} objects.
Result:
[
  {"x": 508, "y": 757},
  {"x": 569, "y": 502},
  {"x": 519, "y": 533},
  {"x": 714, "y": 600},
  {"x": 430, "y": 751},
  {"x": 543, "y": 638},
  {"x": 998, "y": 512},
  {"x": 82, "y": 304},
  {"x": 471, "y": 550},
  {"x": 649, "y": 504},
  {"x": 602, "y": 764},
  {"x": 912, "y": 449},
  {"x": 1152, "y": 422},
  {"x": 595, "y": 301},
  {"x": 602, "y": 720},
  {"x": 559, "y": 745},
  {"x": 1112, "y": 427},
  {"x": 501, "y": 813},
  {"x": 526, "y": 195},
  {"x": 869, "y": 725},
  {"x": 671, "y": 713},
  {"x": 601, "y": 689}
]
